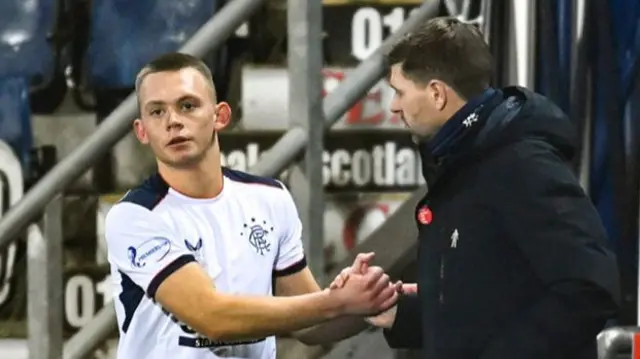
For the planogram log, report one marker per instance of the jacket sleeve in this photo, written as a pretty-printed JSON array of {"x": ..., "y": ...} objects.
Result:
[
  {"x": 406, "y": 332},
  {"x": 547, "y": 215}
]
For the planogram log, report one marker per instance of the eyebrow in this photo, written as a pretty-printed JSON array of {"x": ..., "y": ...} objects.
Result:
[{"x": 160, "y": 102}]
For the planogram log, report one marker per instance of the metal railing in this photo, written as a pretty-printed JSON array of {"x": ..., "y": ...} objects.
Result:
[
  {"x": 304, "y": 29},
  {"x": 305, "y": 59},
  {"x": 44, "y": 278},
  {"x": 615, "y": 341}
]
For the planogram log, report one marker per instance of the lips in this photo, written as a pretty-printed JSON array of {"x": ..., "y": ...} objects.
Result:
[{"x": 178, "y": 140}]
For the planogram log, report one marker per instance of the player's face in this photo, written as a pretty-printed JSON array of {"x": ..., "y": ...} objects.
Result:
[
  {"x": 179, "y": 117},
  {"x": 420, "y": 106}
]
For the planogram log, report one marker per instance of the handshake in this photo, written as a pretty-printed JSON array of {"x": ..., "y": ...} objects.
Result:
[{"x": 368, "y": 291}]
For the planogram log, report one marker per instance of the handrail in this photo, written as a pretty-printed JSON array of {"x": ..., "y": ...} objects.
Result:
[
  {"x": 208, "y": 38},
  {"x": 90, "y": 336},
  {"x": 612, "y": 341}
]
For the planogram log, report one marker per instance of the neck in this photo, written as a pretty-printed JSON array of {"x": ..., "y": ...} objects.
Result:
[
  {"x": 454, "y": 107},
  {"x": 203, "y": 180}
]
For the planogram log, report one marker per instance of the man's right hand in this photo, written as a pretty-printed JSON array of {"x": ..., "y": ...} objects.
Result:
[{"x": 386, "y": 318}]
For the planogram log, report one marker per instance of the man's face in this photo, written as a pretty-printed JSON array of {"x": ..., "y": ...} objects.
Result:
[
  {"x": 420, "y": 106},
  {"x": 178, "y": 116}
]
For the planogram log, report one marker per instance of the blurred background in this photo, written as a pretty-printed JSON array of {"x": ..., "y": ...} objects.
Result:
[{"x": 66, "y": 65}]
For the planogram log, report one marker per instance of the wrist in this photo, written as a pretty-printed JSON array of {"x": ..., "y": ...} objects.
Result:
[{"x": 334, "y": 304}]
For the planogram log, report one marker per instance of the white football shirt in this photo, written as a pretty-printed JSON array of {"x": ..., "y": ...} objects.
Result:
[{"x": 243, "y": 237}]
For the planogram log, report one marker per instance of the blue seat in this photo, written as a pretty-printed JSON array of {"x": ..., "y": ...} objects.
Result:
[
  {"x": 25, "y": 53},
  {"x": 24, "y": 30},
  {"x": 15, "y": 116},
  {"x": 127, "y": 34}
]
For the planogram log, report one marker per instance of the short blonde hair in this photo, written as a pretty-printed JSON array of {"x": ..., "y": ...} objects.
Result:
[{"x": 175, "y": 61}]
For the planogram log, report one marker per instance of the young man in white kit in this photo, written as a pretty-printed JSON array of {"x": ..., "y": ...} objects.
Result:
[{"x": 195, "y": 249}]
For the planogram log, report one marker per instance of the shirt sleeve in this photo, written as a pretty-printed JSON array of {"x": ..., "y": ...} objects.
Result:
[
  {"x": 290, "y": 258},
  {"x": 142, "y": 246}
]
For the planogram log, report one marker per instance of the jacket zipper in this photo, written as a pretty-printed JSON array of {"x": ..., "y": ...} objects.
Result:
[{"x": 441, "y": 279}]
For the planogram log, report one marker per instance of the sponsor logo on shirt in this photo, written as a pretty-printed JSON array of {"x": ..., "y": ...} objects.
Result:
[
  {"x": 154, "y": 249},
  {"x": 195, "y": 248}
]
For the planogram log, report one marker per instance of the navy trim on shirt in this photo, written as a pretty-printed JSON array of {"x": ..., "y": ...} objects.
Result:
[
  {"x": 244, "y": 177},
  {"x": 130, "y": 297},
  {"x": 149, "y": 194},
  {"x": 292, "y": 269},
  {"x": 167, "y": 271}
]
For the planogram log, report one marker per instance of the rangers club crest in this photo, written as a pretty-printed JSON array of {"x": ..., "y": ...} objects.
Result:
[{"x": 258, "y": 235}]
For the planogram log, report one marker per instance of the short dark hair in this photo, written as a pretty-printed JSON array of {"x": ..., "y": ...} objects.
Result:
[
  {"x": 174, "y": 61},
  {"x": 449, "y": 50}
]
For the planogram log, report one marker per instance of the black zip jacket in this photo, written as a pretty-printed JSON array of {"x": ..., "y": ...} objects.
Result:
[{"x": 512, "y": 255}]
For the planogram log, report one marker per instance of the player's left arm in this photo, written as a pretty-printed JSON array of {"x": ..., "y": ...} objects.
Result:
[{"x": 293, "y": 277}]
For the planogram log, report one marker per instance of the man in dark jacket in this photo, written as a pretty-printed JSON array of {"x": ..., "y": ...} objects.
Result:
[{"x": 512, "y": 256}]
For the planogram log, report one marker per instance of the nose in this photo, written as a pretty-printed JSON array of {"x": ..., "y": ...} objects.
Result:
[
  {"x": 173, "y": 120},
  {"x": 394, "y": 106}
]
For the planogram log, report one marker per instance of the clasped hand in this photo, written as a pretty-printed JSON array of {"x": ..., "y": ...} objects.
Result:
[{"x": 373, "y": 288}]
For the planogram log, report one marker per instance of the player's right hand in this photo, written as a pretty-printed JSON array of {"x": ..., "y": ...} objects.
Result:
[
  {"x": 366, "y": 294},
  {"x": 360, "y": 265}
]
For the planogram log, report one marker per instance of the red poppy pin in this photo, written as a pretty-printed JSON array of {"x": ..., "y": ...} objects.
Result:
[{"x": 425, "y": 216}]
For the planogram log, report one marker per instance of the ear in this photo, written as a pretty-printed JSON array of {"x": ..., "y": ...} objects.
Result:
[
  {"x": 438, "y": 93},
  {"x": 139, "y": 130},
  {"x": 222, "y": 116}
]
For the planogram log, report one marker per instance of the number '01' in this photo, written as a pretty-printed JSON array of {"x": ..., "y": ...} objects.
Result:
[{"x": 367, "y": 29}]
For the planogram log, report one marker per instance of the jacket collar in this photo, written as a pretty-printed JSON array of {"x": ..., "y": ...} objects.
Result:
[
  {"x": 470, "y": 116},
  {"x": 458, "y": 132}
]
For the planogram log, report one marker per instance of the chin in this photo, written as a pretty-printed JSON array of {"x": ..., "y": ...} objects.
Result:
[
  {"x": 182, "y": 160},
  {"x": 419, "y": 138}
]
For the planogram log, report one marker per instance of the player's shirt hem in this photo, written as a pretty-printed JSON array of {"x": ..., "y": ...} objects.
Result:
[
  {"x": 292, "y": 269},
  {"x": 167, "y": 271}
]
